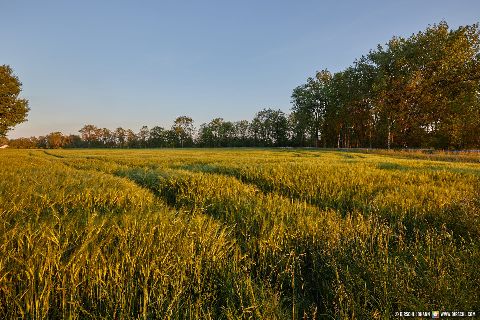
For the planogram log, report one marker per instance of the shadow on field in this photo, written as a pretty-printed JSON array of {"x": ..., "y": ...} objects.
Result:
[{"x": 455, "y": 217}]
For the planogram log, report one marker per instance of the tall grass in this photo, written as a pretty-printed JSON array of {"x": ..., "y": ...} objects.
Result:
[{"x": 227, "y": 234}]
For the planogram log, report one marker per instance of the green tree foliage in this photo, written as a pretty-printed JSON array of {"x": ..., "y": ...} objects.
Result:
[
  {"x": 221, "y": 133},
  {"x": 56, "y": 140},
  {"x": 158, "y": 137},
  {"x": 421, "y": 91},
  {"x": 310, "y": 103},
  {"x": 131, "y": 138},
  {"x": 24, "y": 143},
  {"x": 13, "y": 110},
  {"x": 74, "y": 141},
  {"x": 427, "y": 87},
  {"x": 349, "y": 112},
  {"x": 183, "y": 128},
  {"x": 242, "y": 133},
  {"x": 143, "y": 136},
  {"x": 211, "y": 134},
  {"x": 90, "y": 135},
  {"x": 270, "y": 128},
  {"x": 120, "y": 137}
]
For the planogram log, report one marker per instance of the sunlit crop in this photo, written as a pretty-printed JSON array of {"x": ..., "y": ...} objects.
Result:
[{"x": 230, "y": 234}]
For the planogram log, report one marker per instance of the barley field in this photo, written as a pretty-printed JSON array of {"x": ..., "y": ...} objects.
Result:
[{"x": 235, "y": 234}]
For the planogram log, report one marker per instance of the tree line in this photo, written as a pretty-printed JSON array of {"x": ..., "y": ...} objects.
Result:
[
  {"x": 421, "y": 91},
  {"x": 417, "y": 92},
  {"x": 269, "y": 128}
]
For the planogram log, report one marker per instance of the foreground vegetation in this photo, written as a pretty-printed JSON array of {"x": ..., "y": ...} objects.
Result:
[{"x": 227, "y": 234}]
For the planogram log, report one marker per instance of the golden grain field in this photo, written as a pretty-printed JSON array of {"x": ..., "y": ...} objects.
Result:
[{"x": 235, "y": 234}]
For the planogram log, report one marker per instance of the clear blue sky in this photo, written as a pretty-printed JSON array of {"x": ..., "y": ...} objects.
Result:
[{"x": 134, "y": 63}]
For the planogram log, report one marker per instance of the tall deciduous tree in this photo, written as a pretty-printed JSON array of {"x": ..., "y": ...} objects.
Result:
[
  {"x": 242, "y": 133},
  {"x": 310, "y": 102},
  {"x": 158, "y": 137},
  {"x": 270, "y": 128},
  {"x": 13, "y": 109},
  {"x": 143, "y": 136},
  {"x": 131, "y": 138},
  {"x": 90, "y": 134},
  {"x": 420, "y": 91},
  {"x": 56, "y": 140},
  {"x": 120, "y": 135},
  {"x": 183, "y": 128},
  {"x": 427, "y": 86},
  {"x": 107, "y": 138}
]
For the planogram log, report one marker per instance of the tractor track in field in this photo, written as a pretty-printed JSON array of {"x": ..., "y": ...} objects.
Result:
[
  {"x": 207, "y": 168},
  {"x": 263, "y": 185},
  {"x": 64, "y": 161},
  {"x": 345, "y": 207}
]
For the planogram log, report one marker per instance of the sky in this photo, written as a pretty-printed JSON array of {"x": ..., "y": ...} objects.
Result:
[{"x": 134, "y": 63}]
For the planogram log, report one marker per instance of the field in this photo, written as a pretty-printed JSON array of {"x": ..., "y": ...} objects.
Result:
[{"x": 235, "y": 234}]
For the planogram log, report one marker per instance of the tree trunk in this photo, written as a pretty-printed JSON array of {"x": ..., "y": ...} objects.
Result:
[
  {"x": 389, "y": 137},
  {"x": 370, "y": 137}
]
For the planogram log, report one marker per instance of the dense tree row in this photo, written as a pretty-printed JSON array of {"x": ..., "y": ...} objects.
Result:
[
  {"x": 423, "y": 91},
  {"x": 268, "y": 128},
  {"x": 416, "y": 92}
]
